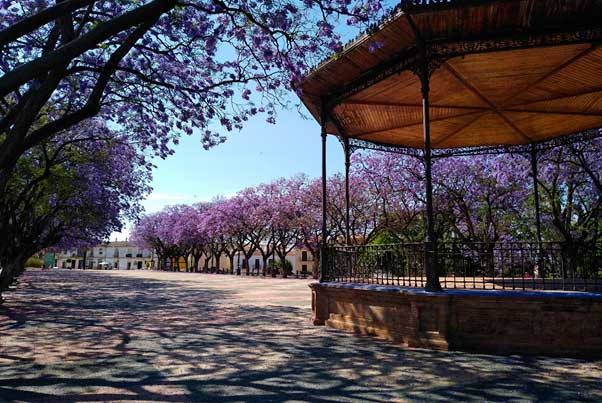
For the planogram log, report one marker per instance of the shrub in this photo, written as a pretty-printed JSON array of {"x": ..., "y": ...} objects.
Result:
[
  {"x": 278, "y": 265},
  {"x": 34, "y": 262}
]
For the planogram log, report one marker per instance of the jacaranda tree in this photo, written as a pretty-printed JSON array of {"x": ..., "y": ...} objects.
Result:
[
  {"x": 72, "y": 191},
  {"x": 571, "y": 183},
  {"x": 155, "y": 68}
]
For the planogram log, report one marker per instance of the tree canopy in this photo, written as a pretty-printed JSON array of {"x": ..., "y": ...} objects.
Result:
[
  {"x": 72, "y": 191},
  {"x": 157, "y": 69}
]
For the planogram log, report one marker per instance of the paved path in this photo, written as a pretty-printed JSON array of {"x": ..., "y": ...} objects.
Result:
[{"x": 73, "y": 336}]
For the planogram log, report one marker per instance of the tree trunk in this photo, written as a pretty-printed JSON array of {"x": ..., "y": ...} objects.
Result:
[
  {"x": 231, "y": 259},
  {"x": 187, "y": 267},
  {"x": 315, "y": 266},
  {"x": 217, "y": 263},
  {"x": 283, "y": 266},
  {"x": 273, "y": 268},
  {"x": 265, "y": 265},
  {"x": 197, "y": 258},
  {"x": 12, "y": 269},
  {"x": 247, "y": 265}
]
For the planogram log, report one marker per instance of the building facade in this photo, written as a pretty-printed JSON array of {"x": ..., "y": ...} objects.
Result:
[
  {"x": 111, "y": 255},
  {"x": 300, "y": 259},
  {"x": 127, "y": 256}
]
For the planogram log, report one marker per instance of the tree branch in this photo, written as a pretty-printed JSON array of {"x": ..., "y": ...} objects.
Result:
[
  {"x": 40, "y": 19},
  {"x": 29, "y": 71}
]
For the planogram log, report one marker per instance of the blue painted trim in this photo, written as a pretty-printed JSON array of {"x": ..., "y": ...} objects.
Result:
[{"x": 466, "y": 292}]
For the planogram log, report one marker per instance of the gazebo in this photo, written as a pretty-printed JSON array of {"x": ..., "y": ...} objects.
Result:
[{"x": 454, "y": 77}]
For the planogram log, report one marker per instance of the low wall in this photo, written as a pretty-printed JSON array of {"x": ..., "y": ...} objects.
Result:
[{"x": 551, "y": 323}]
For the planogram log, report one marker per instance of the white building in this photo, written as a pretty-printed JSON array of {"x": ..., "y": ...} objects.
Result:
[
  {"x": 110, "y": 255},
  {"x": 127, "y": 256}
]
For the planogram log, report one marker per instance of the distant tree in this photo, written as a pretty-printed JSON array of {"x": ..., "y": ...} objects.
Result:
[
  {"x": 287, "y": 211},
  {"x": 244, "y": 227},
  {"x": 571, "y": 183},
  {"x": 216, "y": 226},
  {"x": 151, "y": 232},
  {"x": 395, "y": 185},
  {"x": 310, "y": 222},
  {"x": 189, "y": 238},
  {"x": 364, "y": 211},
  {"x": 485, "y": 196},
  {"x": 263, "y": 214}
]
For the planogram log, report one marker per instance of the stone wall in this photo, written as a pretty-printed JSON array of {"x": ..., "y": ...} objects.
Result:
[{"x": 553, "y": 323}]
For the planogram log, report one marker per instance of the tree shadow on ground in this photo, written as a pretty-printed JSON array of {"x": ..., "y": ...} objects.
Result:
[{"x": 87, "y": 337}]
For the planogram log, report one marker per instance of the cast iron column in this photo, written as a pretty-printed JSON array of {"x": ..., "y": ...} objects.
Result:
[
  {"x": 430, "y": 245},
  {"x": 347, "y": 204},
  {"x": 323, "y": 253},
  {"x": 534, "y": 174}
]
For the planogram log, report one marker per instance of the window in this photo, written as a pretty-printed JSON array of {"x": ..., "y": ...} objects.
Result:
[
  {"x": 304, "y": 268},
  {"x": 304, "y": 256}
]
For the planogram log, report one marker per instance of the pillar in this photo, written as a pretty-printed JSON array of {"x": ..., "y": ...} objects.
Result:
[
  {"x": 347, "y": 203},
  {"x": 534, "y": 174},
  {"x": 323, "y": 249},
  {"x": 430, "y": 244}
]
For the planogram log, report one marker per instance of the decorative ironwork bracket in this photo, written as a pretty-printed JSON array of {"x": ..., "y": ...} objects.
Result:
[
  {"x": 359, "y": 144},
  {"x": 525, "y": 149},
  {"x": 352, "y": 147},
  {"x": 433, "y": 62}
]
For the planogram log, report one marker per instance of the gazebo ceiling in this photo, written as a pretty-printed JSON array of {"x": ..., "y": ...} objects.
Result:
[{"x": 505, "y": 72}]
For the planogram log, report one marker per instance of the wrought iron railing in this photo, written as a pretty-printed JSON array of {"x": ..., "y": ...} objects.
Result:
[{"x": 500, "y": 265}]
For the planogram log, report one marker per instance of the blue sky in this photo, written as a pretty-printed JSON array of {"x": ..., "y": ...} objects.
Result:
[{"x": 259, "y": 153}]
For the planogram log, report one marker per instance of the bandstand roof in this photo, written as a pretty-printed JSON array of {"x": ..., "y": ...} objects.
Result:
[{"x": 506, "y": 72}]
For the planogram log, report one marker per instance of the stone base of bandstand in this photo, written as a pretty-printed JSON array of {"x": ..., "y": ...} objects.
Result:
[{"x": 487, "y": 321}]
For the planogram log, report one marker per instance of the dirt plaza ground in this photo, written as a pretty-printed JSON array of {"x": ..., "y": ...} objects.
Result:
[{"x": 90, "y": 336}]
